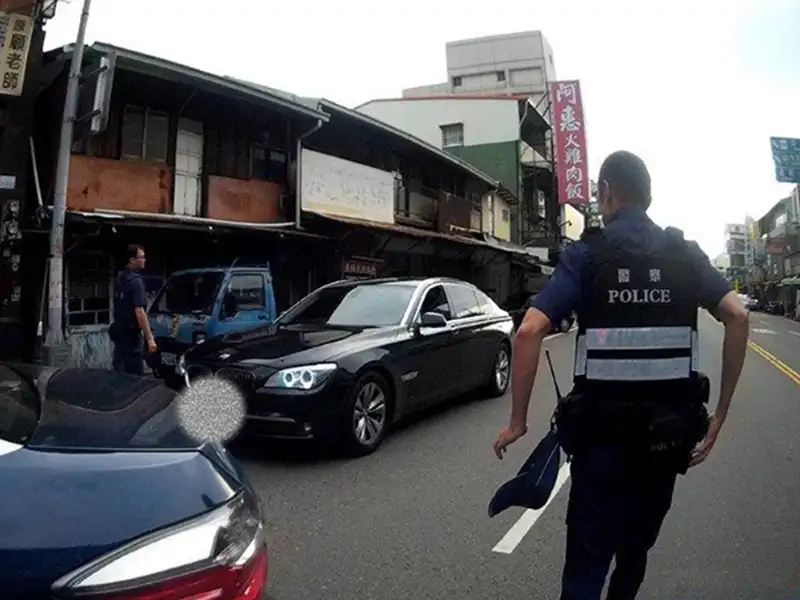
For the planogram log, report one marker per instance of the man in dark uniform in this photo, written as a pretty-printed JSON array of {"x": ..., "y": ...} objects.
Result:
[
  {"x": 636, "y": 288},
  {"x": 130, "y": 317}
]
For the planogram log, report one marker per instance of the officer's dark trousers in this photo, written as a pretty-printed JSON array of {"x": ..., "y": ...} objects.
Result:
[
  {"x": 129, "y": 355},
  {"x": 616, "y": 506}
]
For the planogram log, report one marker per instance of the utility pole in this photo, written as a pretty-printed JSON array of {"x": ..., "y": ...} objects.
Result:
[{"x": 54, "y": 339}]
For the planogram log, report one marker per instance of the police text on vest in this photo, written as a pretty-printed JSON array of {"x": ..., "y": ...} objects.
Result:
[{"x": 655, "y": 296}]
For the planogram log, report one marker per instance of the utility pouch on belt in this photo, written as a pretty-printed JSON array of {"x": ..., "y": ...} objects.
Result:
[{"x": 659, "y": 427}]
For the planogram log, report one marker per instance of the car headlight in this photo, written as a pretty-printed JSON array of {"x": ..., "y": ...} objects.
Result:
[
  {"x": 301, "y": 378},
  {"x": 180, "y": 368}
]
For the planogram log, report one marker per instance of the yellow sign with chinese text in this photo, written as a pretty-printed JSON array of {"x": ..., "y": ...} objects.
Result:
[{"x": 16, "y": 32}]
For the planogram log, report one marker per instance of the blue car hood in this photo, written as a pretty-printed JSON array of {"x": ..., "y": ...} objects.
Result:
[
  {"x": 59, "y": 511},
  {"x": 106, "y": 463}
]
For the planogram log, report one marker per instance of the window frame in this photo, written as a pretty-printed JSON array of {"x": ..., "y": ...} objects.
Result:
[
  {"x": 449, "y": 317},
  {"x": 145, "y": 113},
  {"x": 452, "y": 285},
  {"x": 445, "y": 130},
  {"x": 267, "y": 175}
]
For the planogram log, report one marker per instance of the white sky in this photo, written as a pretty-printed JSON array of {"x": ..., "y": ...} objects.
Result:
[{"x": 694, "y": 87}]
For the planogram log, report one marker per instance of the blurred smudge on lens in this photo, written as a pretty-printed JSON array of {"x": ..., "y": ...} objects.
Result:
[{"x": 211, "y": 410}]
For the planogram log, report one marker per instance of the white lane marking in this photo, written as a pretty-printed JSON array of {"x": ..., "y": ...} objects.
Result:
[
  {"x": 8, "y": 447},
  {"x": 765, "y": 331},
  {"x": 794, "y": 332},
  {"x": 518, "y": 530}
]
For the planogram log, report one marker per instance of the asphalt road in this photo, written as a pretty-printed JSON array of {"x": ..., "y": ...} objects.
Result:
[{"x": 411, "y": 520}]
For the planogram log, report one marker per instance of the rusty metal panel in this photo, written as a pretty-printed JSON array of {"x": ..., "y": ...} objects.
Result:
[
  {"x": 101, "y": 183},
  {"x": 244, "y": 200}
]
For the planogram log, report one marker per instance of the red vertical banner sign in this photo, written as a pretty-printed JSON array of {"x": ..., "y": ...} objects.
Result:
[{"x": 570, "y": 136}]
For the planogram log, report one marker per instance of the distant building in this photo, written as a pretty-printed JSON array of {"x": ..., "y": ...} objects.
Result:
[
  {"x": 735, "y": 248},
  {"x": 722, "y": 263},
  {"x": 515, "y": 64}
]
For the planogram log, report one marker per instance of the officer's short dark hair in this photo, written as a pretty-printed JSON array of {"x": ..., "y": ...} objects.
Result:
[
  {"x": 628, "y": 177},
  {"x": 131, "y": 251}
]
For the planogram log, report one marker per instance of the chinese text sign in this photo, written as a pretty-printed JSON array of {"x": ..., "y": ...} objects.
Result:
[
  {"x": 786, "y": 156},
  {"x": 570, "y": 138},
  {"x": 15, "y": 38}
]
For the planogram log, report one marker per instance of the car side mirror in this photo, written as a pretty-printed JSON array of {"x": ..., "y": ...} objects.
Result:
[{"x": 431, "y": 320}]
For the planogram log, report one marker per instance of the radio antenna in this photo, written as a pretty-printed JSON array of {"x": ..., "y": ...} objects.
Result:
[{"x": 553, "y": 373}]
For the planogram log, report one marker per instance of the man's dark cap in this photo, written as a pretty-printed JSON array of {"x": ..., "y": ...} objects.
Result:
[{"x": 534, "y": 483}]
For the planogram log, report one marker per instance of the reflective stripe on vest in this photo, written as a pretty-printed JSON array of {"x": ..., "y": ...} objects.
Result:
[{"x": 636, "y": 338}]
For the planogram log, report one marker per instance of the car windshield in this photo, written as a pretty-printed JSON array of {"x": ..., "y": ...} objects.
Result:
[
  {"x": 358, "y": 305},
  {"x": 188, "y": 293}
]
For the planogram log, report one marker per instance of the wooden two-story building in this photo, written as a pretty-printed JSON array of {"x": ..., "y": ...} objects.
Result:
[
  {"x": 204, "y": 169},
  {"x": 193, "y": 166}
]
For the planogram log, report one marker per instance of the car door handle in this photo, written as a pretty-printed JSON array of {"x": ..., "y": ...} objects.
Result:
[{"x": 262, "y": 317}]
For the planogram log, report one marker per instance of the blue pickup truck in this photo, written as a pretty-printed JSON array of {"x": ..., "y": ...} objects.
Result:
[{"x": 198, "y": 304}]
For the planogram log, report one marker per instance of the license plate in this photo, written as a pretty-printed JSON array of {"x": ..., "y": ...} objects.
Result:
[{"x": 168, "y": 359}]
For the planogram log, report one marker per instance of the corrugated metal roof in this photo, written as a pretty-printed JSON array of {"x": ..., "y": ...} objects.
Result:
[{"x": 168, "y": 68}]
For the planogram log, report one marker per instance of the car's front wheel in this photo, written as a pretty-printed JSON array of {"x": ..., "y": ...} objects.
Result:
[
  {"x": 501, "y": 372},
  {"x": 368, "y": 416}
]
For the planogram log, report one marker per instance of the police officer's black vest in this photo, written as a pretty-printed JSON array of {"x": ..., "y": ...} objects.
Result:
[{"x": 637, "y": 338}]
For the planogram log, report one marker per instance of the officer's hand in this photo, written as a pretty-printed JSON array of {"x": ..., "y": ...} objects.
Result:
[
  {"x": 506, "y": 437},
  {"x": 703, "y": 449},
  {"x": 152, "y": 347}
]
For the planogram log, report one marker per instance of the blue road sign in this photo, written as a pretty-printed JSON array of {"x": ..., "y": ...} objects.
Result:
[
  {"x": 787, "y": 174},
  {"x": 786, "y": 156}
]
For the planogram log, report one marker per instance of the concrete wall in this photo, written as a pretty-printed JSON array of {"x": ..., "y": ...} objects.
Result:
[
  {"x": 496, "y": 217},
  {"x": 485, "y": 121},
  {"x": 514, "y": 63}
]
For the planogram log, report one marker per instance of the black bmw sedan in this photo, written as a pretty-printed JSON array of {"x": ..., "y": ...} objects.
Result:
[
  {"x": 353, "y": 357},
  {"x": 103, "y": 495}
]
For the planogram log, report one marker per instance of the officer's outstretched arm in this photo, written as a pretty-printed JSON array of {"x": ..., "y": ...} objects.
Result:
[
  {"x": 736, "y": 320},
  {"x": 527, "y": 349}
]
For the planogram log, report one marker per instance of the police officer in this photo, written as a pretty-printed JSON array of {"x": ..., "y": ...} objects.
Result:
[
  {"x": 636, "y": 288},
  {"x": 130, "y": 318}
]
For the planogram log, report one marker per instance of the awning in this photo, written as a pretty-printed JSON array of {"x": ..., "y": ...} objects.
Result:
[
  {"x": 402, "y": 229},
  {"x": 171, "y": 221},
  {"x": 521, "y": 253}
]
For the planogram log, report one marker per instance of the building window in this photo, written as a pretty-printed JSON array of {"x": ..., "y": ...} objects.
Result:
[
  {"x": 267, "y": 164},
  {"x": 501, "y": 76},
  {"x": 452, "y": 135},
  {"x": 457, "y": 81},
  {"x": 145, "y": 134},
  {"x": 89, "y": 283},
  {"x": 505, "y": 215}
]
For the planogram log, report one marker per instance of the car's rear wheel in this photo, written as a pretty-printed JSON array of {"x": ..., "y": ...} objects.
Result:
[
  {"x": 501, "y": 372},
  {"x": 367, "y": 419}
]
